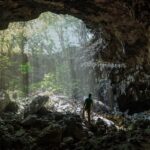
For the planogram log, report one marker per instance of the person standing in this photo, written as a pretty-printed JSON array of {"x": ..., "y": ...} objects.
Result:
[{"x": 87, "y": 107}]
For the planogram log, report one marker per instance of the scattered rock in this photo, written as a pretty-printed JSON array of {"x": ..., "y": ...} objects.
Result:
[
  {"x": 19, "y": 133},
  {"x": 57, "y": 131},
  {"x": 68, "y": 140},
  {"x": 90, "y": 134}
]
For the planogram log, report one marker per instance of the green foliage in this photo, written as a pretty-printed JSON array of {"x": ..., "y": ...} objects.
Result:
[
  {"x": 4, "y": 62},
  {"x": 25, "y": 68},
  {"x": 48, "y": 83},
  {"x": 51, "y": 83}
]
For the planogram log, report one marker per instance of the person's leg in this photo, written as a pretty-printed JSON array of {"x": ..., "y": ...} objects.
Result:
[
  {"x": 83, "y": 114},
  {"x": 89, "y": 116}
]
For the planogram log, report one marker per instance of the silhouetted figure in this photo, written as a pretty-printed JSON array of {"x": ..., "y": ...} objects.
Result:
[{"x": 87, "y": 107}]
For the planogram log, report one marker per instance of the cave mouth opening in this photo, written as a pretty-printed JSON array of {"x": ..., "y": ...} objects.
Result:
[
  {"x": 58, "y": 55},
  {"x": 47, "y": 54}
]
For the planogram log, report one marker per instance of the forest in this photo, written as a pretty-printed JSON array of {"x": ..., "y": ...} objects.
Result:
[{"x": 45, "y": 54}]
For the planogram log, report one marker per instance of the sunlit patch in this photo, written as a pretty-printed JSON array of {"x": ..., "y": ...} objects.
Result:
[{"x": 107, "y": 122}]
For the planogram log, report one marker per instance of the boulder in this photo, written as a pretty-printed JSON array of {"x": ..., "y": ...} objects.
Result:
[
  {"x": 51, "y": 135},
  {"x": 12, "y": 107},
  {"x": 73, "y": 128},
  {"x": 36, "y": 105},
  {"x": 30, "y": 120},
  {"x": 34, "y": 121}
]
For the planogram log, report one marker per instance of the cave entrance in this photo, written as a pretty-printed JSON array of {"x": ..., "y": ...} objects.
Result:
[{"x": 46, "y": 54}]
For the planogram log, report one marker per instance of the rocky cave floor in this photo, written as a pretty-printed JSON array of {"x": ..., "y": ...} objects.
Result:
[{"x": 38, "y": 128}]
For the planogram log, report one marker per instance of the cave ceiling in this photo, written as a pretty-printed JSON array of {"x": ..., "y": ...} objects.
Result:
[{"x": 126, "y": 20}]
